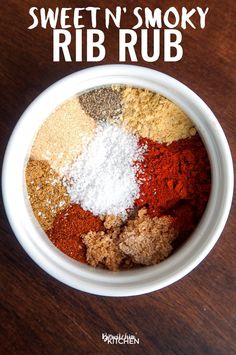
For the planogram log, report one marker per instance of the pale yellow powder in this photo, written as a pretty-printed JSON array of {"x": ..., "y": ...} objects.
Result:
[
  {"x": 63, "y": 135},
  {"x": 153, "y": 116}
]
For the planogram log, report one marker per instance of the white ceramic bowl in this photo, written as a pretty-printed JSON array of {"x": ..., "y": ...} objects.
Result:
[{"x": 84, "y": 277}]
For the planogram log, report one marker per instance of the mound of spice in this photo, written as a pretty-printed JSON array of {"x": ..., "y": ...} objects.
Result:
[
  {"x": 46, "y": 192},
  {"x": 174, "y": 176},
  {"x": 102, "y": 104},
  {"x": 68, "y": 227},
  {"x": 102, "y": 249},
  {"x": 148, "y": 240},
  {"x": 103, "y": 178},
  {"x": 63, "y": 135},
  {"x": 153, "y": 116},
  {"x": 141, "y": 241}
]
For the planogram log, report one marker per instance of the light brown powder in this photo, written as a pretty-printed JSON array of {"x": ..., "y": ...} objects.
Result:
[
  {"x": 63, "y": 135},
  {"x": 153, "y": 116},
  {"x": 111, "y": 221},
  {"x": 46, "y": 193},
  {"x": 147, "y": 240},
  {"x": 103, "y": 250}
]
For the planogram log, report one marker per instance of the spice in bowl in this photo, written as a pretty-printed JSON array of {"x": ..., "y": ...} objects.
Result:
[{"x": 118, "y": 177}]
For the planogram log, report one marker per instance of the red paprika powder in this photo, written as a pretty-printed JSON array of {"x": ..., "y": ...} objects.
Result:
[
  {"x": 68, "y": 227},
  {"x": 175, "y": 179}
]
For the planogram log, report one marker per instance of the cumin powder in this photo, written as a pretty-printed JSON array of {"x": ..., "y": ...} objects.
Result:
[{"x": 46, "y": 193}]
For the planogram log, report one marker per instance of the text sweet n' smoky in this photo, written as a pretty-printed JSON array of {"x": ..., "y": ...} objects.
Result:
[{"x": 162, "y": 24}]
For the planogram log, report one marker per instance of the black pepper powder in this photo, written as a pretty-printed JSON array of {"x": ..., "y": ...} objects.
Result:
[{"x": 102, "y": 104}]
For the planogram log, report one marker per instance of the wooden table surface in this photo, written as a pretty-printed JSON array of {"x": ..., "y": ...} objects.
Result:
[{"x": 39, "y": 315}]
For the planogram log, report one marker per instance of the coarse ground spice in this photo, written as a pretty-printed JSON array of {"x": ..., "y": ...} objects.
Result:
[
  {"x": 153, "y": 116},
  {"x": 68, "y": 227},
  {"x": 63, "y": 135},
  {"x": 46, "y": 193},
  {"x": 176, "y": 180},
  {"x": 102, "y": 104}
]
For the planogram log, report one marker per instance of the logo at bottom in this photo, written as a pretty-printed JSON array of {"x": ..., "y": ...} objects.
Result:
[{"x": 120, "y": 338}]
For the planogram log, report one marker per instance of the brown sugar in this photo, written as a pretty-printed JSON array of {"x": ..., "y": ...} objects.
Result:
[
  {"x": 112, "y": 222},
  {"x": 144, "y": 240},
  {"x": 103, "y": 249},
  {"x": 147, "y": 240}
]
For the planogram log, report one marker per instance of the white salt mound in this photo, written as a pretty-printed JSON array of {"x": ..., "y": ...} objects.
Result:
[{"x": 103, "y": 178}]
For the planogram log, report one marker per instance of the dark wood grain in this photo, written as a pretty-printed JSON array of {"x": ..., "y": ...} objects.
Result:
[{"x": 39, "y": 315}]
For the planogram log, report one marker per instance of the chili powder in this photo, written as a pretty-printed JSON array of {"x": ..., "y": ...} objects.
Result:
[
  {"x": 68, "y": 227},
  {"x": 175, "y": 179}
]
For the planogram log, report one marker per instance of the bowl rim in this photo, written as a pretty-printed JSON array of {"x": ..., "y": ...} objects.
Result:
[{"x": 103, "y": 282}]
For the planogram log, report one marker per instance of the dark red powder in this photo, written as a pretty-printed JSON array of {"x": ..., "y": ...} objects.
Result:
[
  {"x": 175, "y": 180},
  {"x": 68, "y": 227}
]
